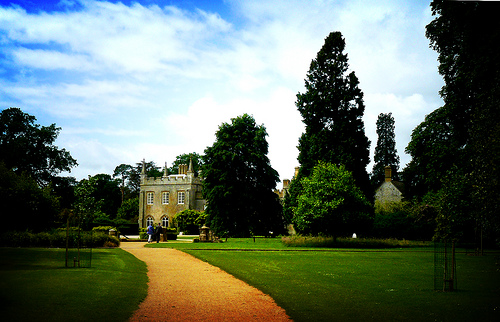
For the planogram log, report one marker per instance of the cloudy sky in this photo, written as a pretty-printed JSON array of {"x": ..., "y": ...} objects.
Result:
[{"x": 127, "y": 80}]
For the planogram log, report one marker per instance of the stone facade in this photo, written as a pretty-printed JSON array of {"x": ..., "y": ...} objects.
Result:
[
  {"x": 390, "y": 191},
  {"x": 161, "y": 198}
]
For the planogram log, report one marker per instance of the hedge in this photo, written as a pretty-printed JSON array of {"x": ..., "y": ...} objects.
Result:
[{"x": 57, "y": 239}]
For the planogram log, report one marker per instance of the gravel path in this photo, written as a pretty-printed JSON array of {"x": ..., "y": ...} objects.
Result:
[{"x": 183, "y": 288}]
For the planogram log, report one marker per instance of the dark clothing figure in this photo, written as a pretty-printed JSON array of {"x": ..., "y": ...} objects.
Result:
[{"x": 158, "y": 232}]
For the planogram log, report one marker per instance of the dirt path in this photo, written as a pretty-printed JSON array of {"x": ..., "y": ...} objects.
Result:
[{"x": 183, "y": 288}]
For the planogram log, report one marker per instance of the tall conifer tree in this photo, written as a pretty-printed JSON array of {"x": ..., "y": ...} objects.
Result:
[
  {"x": 332, "y": 109},
  {"x": 385, "y": 151}
]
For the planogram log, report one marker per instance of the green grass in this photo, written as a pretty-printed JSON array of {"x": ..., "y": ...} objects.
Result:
[
  {"x": 35, "y": 286},
  {"x": 356, "y": 285}
]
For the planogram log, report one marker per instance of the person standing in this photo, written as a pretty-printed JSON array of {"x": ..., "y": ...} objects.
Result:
[
  {"x": 150, "y": 231},
  {"x": 158, "y": 232}
]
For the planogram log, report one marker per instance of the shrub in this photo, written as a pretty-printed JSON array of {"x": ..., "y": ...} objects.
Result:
[
  {"x": 142, "y": 233},
  {"x": 330, "y": 242},
  {"x": 57, "y": 238}
]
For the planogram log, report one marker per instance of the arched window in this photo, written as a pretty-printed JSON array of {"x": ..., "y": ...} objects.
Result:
[
  {"x": 149, "y": 221},
  {"x": 164, "y": 221}
]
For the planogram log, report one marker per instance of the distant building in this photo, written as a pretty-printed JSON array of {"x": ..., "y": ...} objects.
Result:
[
  {"x": 389, "y": 191},
  {"x": 286, "y": 186},
  {"x": 161, "y": 198}
]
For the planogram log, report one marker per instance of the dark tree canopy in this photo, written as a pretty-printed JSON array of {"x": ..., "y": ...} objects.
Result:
[
  {"x": 193, "y": 157},
  {"x": 332, "y": 109},
  {"x": 27, "y": 147},
  {"x": 239, "y": 181},
  {"x": 385, "y": 151},
  {"x": 25, "y": 205},
  {"x": 134, "y": 175},
  {"x": 457, "y": 146}
]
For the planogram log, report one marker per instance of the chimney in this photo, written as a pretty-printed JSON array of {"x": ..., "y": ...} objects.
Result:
[
  {"x": 388, "y": 173},
  {"x": 182, "y": 169},
  {"x": 286, "y": 183},
  {"x": 296, "y": 172}
]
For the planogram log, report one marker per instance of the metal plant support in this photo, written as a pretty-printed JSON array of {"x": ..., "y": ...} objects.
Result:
[
  {"x": 78, "y": 245},
  {"x": 445, "y": 267}
]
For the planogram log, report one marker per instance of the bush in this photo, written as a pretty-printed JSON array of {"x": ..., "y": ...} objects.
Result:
[
  {"x": 142, "y": 233},
  {"x": 330, "y": 242},
  {"x": 105, "y": 229},
  {"x": 57, "y": 238}
]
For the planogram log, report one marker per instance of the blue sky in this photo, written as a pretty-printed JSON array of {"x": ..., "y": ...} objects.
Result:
[{"x": 127, "y": 80}]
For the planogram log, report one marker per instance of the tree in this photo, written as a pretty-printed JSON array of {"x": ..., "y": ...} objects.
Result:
[
  {"x": 239, "y": 181},
  {"x": 330, "y": 203},
  {"x": 122, "y": 171},
  {"x": 129, "y": 210},
  {"x": 97, "y": 199},
  {"x": 25, "y": 205},
  {"x": 385, "y": 151},
  {"x": 189, "y": 221},
  {"x": 134, "y": 178},
  {"x": 194, "y": 157},
  {"x": 458, "y": 143},
  {"x": 26, "y": 147},
  {"x": 332, "y": 109}
]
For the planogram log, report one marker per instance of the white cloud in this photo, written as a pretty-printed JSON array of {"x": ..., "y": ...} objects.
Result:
[{"x": 132, "y": 82}]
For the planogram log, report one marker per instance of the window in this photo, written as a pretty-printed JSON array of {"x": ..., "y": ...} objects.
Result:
[
  {"x": 150, "y": 198},
  {"x": 165, "y": 196},
  {"x": 181, "y": 196},
  {"x": 149, "y": 221},
  {"x": 164, "y": 221}
]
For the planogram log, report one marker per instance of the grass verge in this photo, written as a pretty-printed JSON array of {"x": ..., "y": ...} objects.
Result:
[{"x": 35, "y": 286}]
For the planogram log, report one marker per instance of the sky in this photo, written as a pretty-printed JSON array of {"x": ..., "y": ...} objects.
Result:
[{"x": 132, "y": 80}]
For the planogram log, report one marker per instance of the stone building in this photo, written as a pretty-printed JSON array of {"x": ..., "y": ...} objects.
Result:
[
  {"x": 161, "y": 198},
  {"x": 286, "y": 186},
  {"x": 390, "y": 191}
]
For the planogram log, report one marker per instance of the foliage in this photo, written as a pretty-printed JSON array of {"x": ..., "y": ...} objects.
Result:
[
  {"x": 129, "y": 210},
  {"x": 458, "y": 143},
  {"x": 97, "y": 199},
  {"x": 27, "y": 147},
  {"x": 57, "y": 239},
  {"x": 359, "y": 243},
  {"x": 332, "y": 109},
  {"x": 134, "y": 176},
  {"x": 25, "y": 205},
  {"x": 123, "y": 172},
  {"x": 239, "y": 181},
  {"x": 385, "y": 151},
  {"x": 193, "y": 157},
  {"x": 189, "y": 221},
  {"x": 331, "y": 203},
  {"x": 404, "y": 220}
]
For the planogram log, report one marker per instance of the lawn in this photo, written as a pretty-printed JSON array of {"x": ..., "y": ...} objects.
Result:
[
  {"x": 35, "y": 286},
  {"x": 356, "y": 285}
]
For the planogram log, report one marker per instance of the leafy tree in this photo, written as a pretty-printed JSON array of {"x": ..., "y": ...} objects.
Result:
[
  {"x": 28, "y": 147},
  {"x": 122, "y": 171},
  {"x": 25, "y": 205},
  {"x": 97, "y": 199},
  {"x": 331, "y": 203},
  {"x": 129, "y": 210},
  {"x": 332, "y": 109},
  {"x": 385, "y": 151},
  {"x": 189, "y": 221},
  {"x": 458, "y": 143},
  {"x": 194, "y": 157},
  {"x": 134, "y": 177},
  {"x": 239, "y": 181}
]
